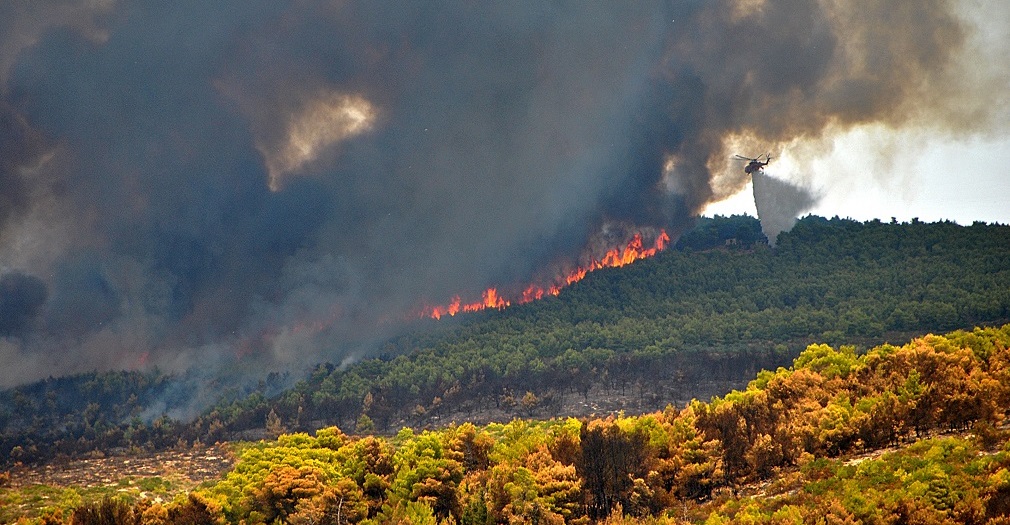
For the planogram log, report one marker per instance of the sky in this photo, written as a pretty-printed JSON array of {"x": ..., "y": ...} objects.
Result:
[
  {"x": 933, "y": 175},
  {"x": 961, "y": 180},
  {"x": 252, "y": 185}
]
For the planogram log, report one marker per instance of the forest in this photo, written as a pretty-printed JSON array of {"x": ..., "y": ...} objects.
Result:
[
  {"x": 691, "y": 322},
  {"x": 897, "y": 434},
  {"x": 720, "y": 307}
]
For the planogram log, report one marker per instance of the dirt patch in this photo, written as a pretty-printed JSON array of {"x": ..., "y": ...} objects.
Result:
[{"x": 188, "y": 468}]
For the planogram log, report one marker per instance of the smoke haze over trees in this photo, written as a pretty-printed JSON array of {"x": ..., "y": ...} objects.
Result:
[{"x": 272, "y": 181}]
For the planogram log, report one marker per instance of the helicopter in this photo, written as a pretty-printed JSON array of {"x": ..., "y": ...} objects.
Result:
[{"x": 755, "y": 164}]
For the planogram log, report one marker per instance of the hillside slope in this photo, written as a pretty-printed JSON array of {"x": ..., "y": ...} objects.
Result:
[
  {"x": 710, "y": 313},
  {"x": 881, "y": 437},
  {"x": 691, "y": 322}
]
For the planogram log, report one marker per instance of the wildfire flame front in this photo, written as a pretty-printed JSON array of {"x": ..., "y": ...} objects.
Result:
[{"x": 615, "y": 257}]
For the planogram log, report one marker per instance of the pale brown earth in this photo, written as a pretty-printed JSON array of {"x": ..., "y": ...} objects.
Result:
[{"x": 186, "y": 468}]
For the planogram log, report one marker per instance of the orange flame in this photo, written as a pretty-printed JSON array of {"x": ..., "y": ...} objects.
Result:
[{"x": 615, "y": 257}]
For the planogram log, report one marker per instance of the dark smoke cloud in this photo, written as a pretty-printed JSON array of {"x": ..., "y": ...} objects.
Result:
[
  {"x": 85, "y": 299},
  {"x": 279, "y": 182},
  {"x": 21, "y": 298},
  {"x": 20, "y": 146}
]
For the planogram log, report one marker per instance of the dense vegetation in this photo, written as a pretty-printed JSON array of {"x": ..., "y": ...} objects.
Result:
[
  {"x": 719, "y": 307},
  {"x": 761, "y": 455}
]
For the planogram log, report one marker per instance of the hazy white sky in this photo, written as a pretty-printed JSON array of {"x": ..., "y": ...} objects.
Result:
[
  {"x": 935, "y": 179},
  {"x": 873, "y": 173}
]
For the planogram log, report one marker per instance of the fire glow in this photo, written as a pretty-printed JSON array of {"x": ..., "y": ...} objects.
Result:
[{"x": 614, "y": 258}]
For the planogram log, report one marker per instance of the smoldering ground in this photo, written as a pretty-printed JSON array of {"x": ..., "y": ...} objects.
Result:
[{"x": 278, "y": 182}]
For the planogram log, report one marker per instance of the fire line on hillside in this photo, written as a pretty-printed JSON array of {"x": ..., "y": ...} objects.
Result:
[{"x": 492, "y": 298}]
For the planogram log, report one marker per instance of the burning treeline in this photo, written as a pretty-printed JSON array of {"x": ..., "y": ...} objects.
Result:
[{"x": 613, "y": 258}]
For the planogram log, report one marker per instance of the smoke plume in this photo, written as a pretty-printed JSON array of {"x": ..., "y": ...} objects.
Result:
[
  {"x": 271, "y": 183},
  {"x": 21, "y": 297}
]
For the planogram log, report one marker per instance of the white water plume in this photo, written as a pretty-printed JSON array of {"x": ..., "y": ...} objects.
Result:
[{"x": 779, "y": 204}]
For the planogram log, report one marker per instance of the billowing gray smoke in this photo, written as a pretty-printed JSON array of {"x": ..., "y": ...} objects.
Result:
[
  {"x": 185, "y": 182},
  {"x": 21, "y": 297}
]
